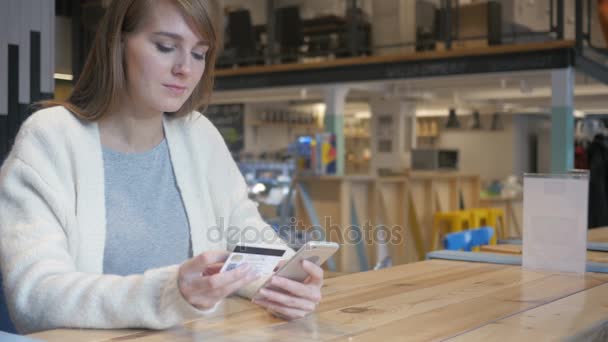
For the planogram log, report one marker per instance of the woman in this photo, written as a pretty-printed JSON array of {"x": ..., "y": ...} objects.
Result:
[{"x": 115, "y": 205}]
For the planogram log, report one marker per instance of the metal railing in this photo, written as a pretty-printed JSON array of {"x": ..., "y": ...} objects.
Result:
[
  {"x": 584, "y": 16},
  {"x": 355, "y": 37},
  {"x": 590, "y": 58}
]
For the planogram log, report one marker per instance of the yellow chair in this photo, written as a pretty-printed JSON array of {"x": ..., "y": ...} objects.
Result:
[
  {"x": 492, "y": 217},
  {"x": 480, "y": 217},
  {"x": 496, "y": 219},
  {"x": 456, "y": 221}
]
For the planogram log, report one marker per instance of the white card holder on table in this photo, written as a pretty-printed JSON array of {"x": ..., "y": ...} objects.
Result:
[{"x": 555, "y": 221}]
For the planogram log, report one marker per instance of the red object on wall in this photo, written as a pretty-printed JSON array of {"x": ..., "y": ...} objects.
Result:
[{"x": 602, "y": 10}]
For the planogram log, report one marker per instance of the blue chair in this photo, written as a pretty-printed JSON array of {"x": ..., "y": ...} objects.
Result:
[
  {"x": 482, "y": 236},
  {"x": 468, "y": 239},
  {"x": 5, "y": 321}
]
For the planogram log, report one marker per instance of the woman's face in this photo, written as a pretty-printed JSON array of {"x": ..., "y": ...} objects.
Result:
[{"x": 164, "y": 60}]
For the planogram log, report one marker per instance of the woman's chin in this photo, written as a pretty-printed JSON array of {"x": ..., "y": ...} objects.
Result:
[{"x": 170, "y": 108}]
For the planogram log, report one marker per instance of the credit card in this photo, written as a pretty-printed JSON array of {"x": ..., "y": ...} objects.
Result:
[{"x": 262, "y": 259}]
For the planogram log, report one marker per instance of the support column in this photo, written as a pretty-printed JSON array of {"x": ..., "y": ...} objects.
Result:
[
  {"x": 335, "y": 100},
  {"x": 394, "y": 134},
  {"x": 270, "y": 32},
  {"x": 562, "y": 120}
]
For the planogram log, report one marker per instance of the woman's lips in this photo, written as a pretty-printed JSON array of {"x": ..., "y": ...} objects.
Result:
[{"x": 175, "y": 89}]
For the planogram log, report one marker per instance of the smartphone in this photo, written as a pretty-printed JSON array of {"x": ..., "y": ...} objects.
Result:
[{"x": 316, "y": 252}]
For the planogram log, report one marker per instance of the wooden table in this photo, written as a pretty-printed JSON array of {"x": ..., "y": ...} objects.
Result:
[
  {"x": 553, "y": 321},
  {"x": 593, "y": 256},
  {"x": 428, "y": 300},
  {"x": 598, "y": 235}
]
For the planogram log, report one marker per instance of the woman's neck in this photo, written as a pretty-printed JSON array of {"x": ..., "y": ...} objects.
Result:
[{"x": 131, "y": 131}]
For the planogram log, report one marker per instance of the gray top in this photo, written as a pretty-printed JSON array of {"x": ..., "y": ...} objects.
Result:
[{"x": 146, "y": 222}]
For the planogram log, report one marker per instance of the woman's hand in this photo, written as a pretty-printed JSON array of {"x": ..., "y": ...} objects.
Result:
[
  {"x": 202, "y": 286},
  {"x": 290, "y": 299}
]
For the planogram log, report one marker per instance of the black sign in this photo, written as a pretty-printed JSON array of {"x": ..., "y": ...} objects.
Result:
[{"x": 230, "y": 121}]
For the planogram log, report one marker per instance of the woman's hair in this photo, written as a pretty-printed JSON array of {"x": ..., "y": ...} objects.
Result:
[{"x": 103, "y": 78}]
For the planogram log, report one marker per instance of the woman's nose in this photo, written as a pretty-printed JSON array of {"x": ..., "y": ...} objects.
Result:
[{"x": 182, "y": 66}]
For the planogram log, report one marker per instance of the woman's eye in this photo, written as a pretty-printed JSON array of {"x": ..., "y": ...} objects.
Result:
[
  {"x": 198, "y": 56},
  {"x": 164, "y": 48}
]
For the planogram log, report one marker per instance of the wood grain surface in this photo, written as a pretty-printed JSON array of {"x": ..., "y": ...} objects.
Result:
[{"x": 429, "y": 300}]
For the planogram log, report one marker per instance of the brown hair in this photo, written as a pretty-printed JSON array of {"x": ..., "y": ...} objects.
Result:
[{"x": 103, "y": 78}]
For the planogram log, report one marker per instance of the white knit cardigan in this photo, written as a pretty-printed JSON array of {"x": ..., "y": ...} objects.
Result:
[{"x": 53, "y": 224}]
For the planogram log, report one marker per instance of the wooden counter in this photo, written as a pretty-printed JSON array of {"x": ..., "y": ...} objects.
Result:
[
  {"x": 428, "y": 300},
  {"x": 402, "y": 205},
  {"x": 592, "y": 256}
]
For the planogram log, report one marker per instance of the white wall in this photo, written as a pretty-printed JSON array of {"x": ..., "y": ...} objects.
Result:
[
  {"x": 487, "y": 153},
  {"x": 525, "y": 128},
  {"x": 498, "y": 154}
]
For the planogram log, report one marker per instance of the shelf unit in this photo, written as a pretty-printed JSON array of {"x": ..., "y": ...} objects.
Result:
[
  {"x": 258, "y": 123},
  {"x": 302, "y": 128}
]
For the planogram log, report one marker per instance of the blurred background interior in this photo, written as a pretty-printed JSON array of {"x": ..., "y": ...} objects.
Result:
[{"x": 388, "y": 112}]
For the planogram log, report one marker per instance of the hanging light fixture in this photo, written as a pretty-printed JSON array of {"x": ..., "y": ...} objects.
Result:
[{"x": 452, "y": 119}]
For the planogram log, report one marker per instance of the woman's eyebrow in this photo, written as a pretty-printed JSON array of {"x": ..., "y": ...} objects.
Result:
[{"x": 178, "y": 37}]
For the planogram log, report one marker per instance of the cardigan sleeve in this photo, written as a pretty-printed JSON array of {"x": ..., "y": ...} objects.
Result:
[
  {"x": 245, "y": 225},
  {"x": 43, "y": 287}
]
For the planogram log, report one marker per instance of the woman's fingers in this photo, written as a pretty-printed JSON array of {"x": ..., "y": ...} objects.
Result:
[
  {"x": 287, "y": 300},
  {"x": 314, "y": 271},
  {"x": 194, "y": 267},
  {"x": 281, "y": 311},
  {"x": 211, "y": 257},
  {"x": 201, "y": 284},
  {"x": 206, "y": 291},
  {"x": 219, "y": 280},
  {"x": 213, "y": 269},
  {"x": 311, "y": 291},
  {"x": 232, "y": 287}
]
